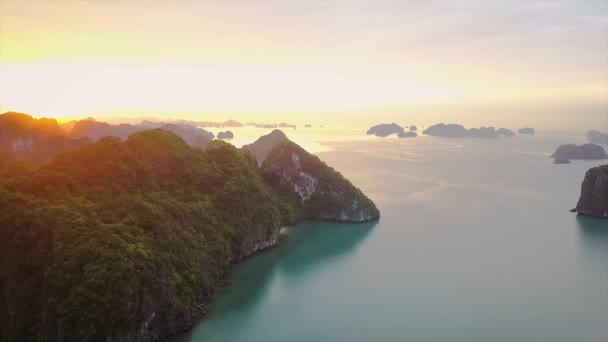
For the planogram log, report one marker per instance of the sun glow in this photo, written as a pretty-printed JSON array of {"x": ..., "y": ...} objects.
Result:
[
  {"x": 63, "y": 89},
  {"x": 336, "y": 62}
]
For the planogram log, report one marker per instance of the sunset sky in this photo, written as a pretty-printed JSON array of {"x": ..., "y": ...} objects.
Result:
[{"x": 509, "y": 63}]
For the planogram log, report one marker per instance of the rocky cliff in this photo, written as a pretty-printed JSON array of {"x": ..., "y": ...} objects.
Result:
[
  {"x": 96, "y": 130},
  {"x": 264, "y": 144},
  {"x": 594, "y": 193},
  {"x": 459, "y": 131},
  {"x": 34, "y": 140},
  {"x": 315, "y": 190},
  {"x": 384, "y": 130}
]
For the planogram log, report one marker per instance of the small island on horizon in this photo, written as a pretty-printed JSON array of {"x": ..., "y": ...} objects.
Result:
[{"x": 459, "y": 131}]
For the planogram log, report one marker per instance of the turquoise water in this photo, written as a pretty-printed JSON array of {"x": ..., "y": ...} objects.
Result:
[{"x": 476, "y": 243}]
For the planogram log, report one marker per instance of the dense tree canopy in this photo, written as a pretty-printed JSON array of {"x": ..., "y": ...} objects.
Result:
[
  {"x": 141, "y": 229},
  {"x": 126, "y": 240}
]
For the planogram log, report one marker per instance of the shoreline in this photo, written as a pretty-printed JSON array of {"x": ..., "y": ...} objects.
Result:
[
  {"x": 223, "y": 282},
  {"x": 218, "y": 287}
]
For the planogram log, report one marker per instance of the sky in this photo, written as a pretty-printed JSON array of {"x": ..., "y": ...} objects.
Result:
[{"x": 504, "y": 63}]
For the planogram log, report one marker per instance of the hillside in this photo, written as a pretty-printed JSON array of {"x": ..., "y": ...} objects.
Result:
[
  {"x": 34, "y": 140},
  {"x": 127, "y": 240},
  {"x": 315, "y": 190}
]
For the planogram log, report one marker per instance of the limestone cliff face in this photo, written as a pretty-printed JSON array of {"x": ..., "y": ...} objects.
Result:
[
  {"x": 257, "y": 243},
  {"x": 594, "y": 193},
  {"x": 316, "y": 190},
  {"x": 155, "y": 224}
]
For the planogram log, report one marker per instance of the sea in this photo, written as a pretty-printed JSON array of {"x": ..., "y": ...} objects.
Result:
[{"x": 476, "y": 242}]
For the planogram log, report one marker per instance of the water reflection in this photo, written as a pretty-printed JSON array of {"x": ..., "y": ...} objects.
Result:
[
  {"x": 306, "y": 248},
  {"x": 311, "y": 245},
  {"x": 593, "y": 234}
]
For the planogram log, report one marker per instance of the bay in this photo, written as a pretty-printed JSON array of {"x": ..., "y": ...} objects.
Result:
[{"x": 475, "y": 243}]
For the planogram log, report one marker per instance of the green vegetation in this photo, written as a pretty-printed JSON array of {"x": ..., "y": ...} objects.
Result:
[
  {"x": 119, "y": 238},
  {"x": 127, "y": 240}
]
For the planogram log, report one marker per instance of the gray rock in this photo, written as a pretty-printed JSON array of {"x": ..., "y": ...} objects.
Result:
[
  {"x": 585, "y": 152},
  {"x": 225, "y": 135},
  {"x": 384, "y": 130},
  {"x": 594, "y": 193}
]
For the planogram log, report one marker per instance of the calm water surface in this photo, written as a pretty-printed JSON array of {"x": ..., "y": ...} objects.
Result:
[{"x": 475, "y": 243}]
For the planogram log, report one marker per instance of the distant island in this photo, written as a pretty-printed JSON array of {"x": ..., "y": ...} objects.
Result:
[
  {"x": 308, "y": 126},
  {"x": 594, "y": 193},
  {"x": 129, "y": 240},
  {"x": 507, "y": 133},
  {"x": 561, "y": 161},
  {"x": 155, "y": 123},
  {"x": 410, "y": 134},
  {"x": 584, "y": 152},
  {"x": 225, "y": 135},
  {"x": 459, "y": 131},
  {"x": 271, "y": 125},
  {"x": 526, "y": 130},
  {"x": 40, "y": 140},
  {"x": 597, "y": 137},
  {"x": 263, "y": 145},
  {"x": 384, "y": 130}
]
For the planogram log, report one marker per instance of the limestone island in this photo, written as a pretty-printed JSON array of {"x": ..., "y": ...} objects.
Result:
[
  {"x": 384, "y": 130},
  {"x": 526, "y": 130},
  {"x": 594, "y": 193},
  {"x": 459, "y": 131},
  {"x": 507, "y": 133},
  {"x": 227, "y": 135},
  {"x": 583, "y": 152},
  {"x": 410, "y": 134},
  {"x": 130, "y": 240},
  {"x": 597, "y": 137}
]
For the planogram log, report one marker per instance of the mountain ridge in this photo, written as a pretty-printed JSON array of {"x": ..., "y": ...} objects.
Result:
[{"x": 128, "y": 240}]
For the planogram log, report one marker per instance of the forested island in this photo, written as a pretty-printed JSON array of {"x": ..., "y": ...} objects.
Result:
[{"x": 128, "y": 240}]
